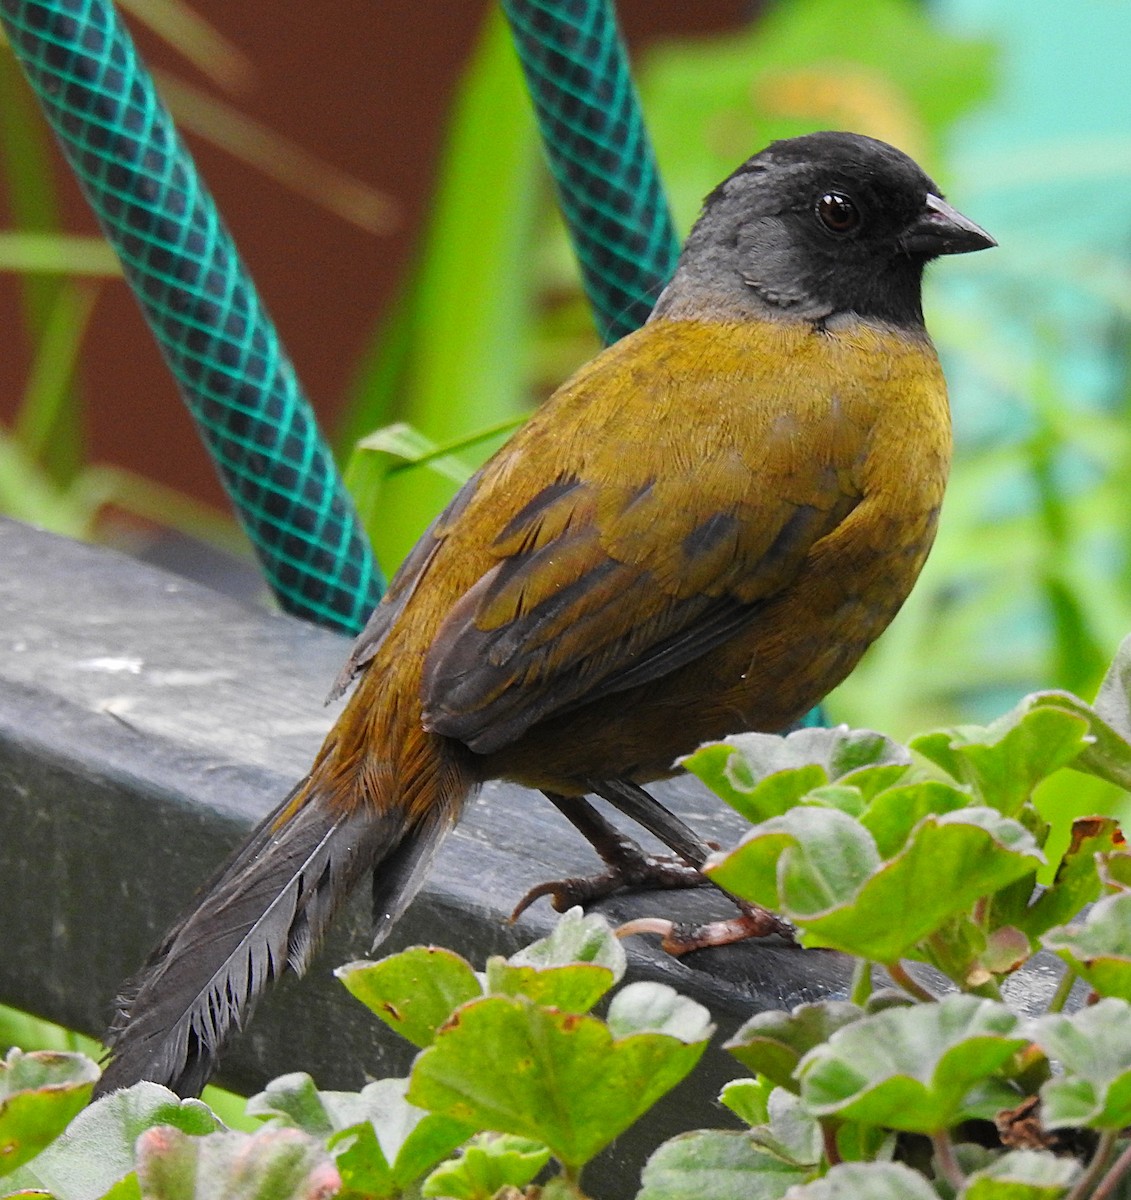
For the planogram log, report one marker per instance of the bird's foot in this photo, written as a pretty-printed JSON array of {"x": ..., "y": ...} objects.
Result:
[
  {"x": 627, "y": 867},
  {"x": 680, "y": 938}
]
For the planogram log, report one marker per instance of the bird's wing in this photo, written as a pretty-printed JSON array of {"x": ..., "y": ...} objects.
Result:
[
  {"x": 646, "y": 547},
  {"x": 400, "y": 591}
]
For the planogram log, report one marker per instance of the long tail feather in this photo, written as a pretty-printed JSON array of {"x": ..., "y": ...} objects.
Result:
[{"x": 265, "y": 911}]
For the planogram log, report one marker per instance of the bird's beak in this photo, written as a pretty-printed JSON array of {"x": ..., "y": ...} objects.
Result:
[{"x": 940, "y": 229}]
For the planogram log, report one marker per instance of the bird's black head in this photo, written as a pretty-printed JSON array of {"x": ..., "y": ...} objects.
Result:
[{"x": 817, "y": 226}]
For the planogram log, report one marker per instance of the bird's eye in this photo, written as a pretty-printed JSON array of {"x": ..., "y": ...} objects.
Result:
[{"x": 838, "y": 213}]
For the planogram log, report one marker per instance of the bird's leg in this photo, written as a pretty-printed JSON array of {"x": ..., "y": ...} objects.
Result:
[
  {"x": 753, "y": 921},
  {"x": 627, "y": 864}
]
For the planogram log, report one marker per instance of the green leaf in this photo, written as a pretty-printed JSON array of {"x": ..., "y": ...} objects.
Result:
[
  {"x": 380, "y": 1142},
  {"x": 792, "y": 1132},
  {"x": 1005, "y": 760},
  {"x": 1113, "y": 701},
  {"x": 763, "y": 775},
  {"x": 773, "y": 1043},
  {"x": 576, "y": 938},
  {"x": 821, "y": 869},
  {"x": 96, "y": 1151},
  {"x": 910, "y": 1068},
  {"x": 489, "y": 1163},
  {"x": 1023, "y": 1175},
  {"x": 1108, "y": 752},
  {"x": 572, "y": 989},
  {"x": 1094, "y": 1048},
  {"x": 647, "y": 1007},
  {"x": 1100, "y": 948},
  {"x": 895, "y": 812},
  {"x": 415, "y": 991},
  {"x": 571, "y": 969},
  {"x": 726, "y": 771},
  {"x": 294, "y": 1100},
  {"x": 807, "y": 860},
  {"x": 748, "y": 1099},
  {"x": 272, "y": 1164},
  {"x": 1115, "y": 871},
  {"x": 867, "y": 1181},
  {"x": 713, "y": 1164},
  {"x": 1077, "y": 881},
  {"x": 508, "y": 1065},
  {"x": 40, "y": 1093}
]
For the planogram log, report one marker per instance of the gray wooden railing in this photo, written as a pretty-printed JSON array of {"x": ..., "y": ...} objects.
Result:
[{"x": 146, "y": 723}]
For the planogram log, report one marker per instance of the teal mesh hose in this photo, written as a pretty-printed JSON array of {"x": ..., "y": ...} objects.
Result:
[
  {"x": 201, "y": 304},
  {"x": 599, "y": 154}
]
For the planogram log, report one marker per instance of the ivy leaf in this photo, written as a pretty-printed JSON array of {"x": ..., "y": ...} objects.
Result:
[
  {"x": 272, "y": 1164},
  {"x": 489, "y": 1163},
  {"x": 505, "y": 1064},
  {"x": 1100, "y": 948},
  {"x": 96, "y": 1151},
  {"x": 910, "y": 1068},
  {"x": 40, "y": 1093},
  {"x": 714, "y": 1164},
  {"x": 822, "y": 870},
  {"x": 773, "y": 1043},
  {"x": 1094, "y": 1048},
  {"x": 415, "y": 991},
  {"x": 1023, "y": 1175},
  {"x": 380, "y": 1142},
  {"x": 1005, "y": 760},
  {"x": 571, "y": 969}
]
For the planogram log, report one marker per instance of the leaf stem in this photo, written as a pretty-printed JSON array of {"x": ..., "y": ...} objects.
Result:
[
  {"x": 902, "y": 977},
  {"x": 1096, "y": 1168},
  {"x": 572, "y": 1177},
  {"x": 948, "y": 1164},
  {"x": 1107, "y": 1184},
  {"x": 828, "y": 1137},
  {"x": 1063, "y": 990},
  {"x": 861, "y": 986}
]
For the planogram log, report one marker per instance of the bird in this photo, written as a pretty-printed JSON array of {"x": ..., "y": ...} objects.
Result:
[{"x": 698, "y": 534}]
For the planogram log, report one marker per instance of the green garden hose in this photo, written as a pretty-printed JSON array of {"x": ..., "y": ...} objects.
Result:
[
  {"x": 599, "y": 155},
  {"x": 201, "y": 304}
]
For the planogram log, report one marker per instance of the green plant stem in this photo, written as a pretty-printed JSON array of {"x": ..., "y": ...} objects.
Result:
[
  {"x": 571, "y": 1177},
  {"x": 1063, "y": 991},
  {"x": 948, "y": 1164},
  {"x": 988, "y": 990},
  {"x": 861, "y": 986},
  {"x": 900, "y": 976},
  {"x": 1108, "y": 1184},
  {"x": 1096, "y": 1168}
]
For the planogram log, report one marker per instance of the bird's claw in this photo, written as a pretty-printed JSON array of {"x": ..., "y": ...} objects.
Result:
[
  {"x": 678, "y": 938},
  {"x": 637, "y": 870}
]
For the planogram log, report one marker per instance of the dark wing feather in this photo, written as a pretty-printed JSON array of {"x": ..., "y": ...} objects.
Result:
[
  {"x": 400, "y": 591},
  {"x": 597, "y": 593}
]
